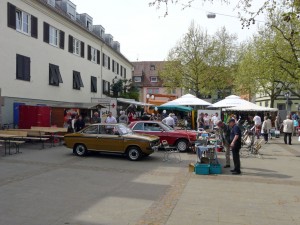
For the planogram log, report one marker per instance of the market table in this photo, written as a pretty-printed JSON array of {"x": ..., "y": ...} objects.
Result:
[{"x": 8, "y": 139}]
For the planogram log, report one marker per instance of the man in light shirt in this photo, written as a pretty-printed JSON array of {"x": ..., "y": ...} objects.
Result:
[
  {"x": 215, "y": 119},
  {"x": 288, "y": 127},
  {"x": 169, "y": 121},
  {"x": 110, "y": 119},
  {"x": 257, "y": 124}
]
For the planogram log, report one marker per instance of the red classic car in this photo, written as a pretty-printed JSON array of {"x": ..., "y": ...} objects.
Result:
[{"x": 182, "y": 139}]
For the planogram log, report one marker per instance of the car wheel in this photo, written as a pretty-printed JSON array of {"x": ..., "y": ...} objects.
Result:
[
  {"x": 80, "y": 150},
  {"x": 182, "y": 145},
  {"x": 134, "y": 153}
]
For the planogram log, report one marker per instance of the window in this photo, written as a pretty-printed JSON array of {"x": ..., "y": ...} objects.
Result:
[
  {"x": 93, "y": 55},
  {"x": 137, "y": 79},
  {"x": 94, "y": 84},
  {"x": 121, "y": 71},
  {"x": 22, "y": 21},
  {"x": 106, "y": 61},
  {"x": 124, "y": 72},
  {"x": 153, "y": 79},
  {"x": 77, "y": 82},
  {"x": 54, "y": 75},
  {"x": 152, "y": 67},
  {"x": 115, "y": 67},
  {"x": 76, "y": 46},
  {"x": 23, "y": 68},
  {"x": 53, "y": 36},
  {"x": 138, "y": 126},
  {"x": 106, "y": 87},
  {"x": 91, "y": 130},
  {"x": 153, "y": 90}
]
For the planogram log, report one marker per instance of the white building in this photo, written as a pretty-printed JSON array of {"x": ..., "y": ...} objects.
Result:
[{"x": 50, "y": 54}]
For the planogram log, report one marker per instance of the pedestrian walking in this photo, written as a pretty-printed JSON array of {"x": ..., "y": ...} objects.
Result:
[{"x": 288, "y": 127}]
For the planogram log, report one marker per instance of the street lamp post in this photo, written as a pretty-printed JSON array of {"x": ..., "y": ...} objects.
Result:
[{"x": 288, "y": 106}]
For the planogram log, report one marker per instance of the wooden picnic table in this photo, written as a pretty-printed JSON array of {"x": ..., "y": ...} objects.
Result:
[{"x": 8, "y": 139}]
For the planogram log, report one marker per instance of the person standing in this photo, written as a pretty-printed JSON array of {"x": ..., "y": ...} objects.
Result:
[
  {"x": 206, "y": 121},
  {"x": 169, "y": 121},
  {"x": 225, "y": 136},
  {"x": 257, "y": 124},
  {"x": 266, "y": 126},
  {"x": 200, "y": 121},
  {"x": 96, "y": 118},
  {"x": 215, "y": 118},
  {"x": 110, "y": 118},
  {"x": 123, "y": 118},
  {"x": 288, "y": 127},
  {"x": 235, "y": 145},
  {"x": 79, "y": 124}
]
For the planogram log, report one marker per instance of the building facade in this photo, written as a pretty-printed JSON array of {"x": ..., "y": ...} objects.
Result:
[
  {"x": 52, "y": 54},
  {"x": 146, "y": 78}
]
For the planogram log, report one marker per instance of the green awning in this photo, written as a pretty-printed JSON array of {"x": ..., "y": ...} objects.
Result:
[{"x": 175, "y": 107}]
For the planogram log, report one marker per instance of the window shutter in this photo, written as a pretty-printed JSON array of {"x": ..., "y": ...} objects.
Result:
[
  {"x": 121, "y": 70},
  {"x": 46, "y": 32},
  {"x": 103, "y": 59},
  {"x": 57, "y": 71},
  {"x": 71, "y": 44},
  {"x": 109, "y": 63},
  {"x": 117, "y": 68},
  {"x": 113, "y": 65},
  {"x": 82, "y": 49},
  {"x": 19, "y": 67},
  {"x": 93, "y": 84},
  {"x": 11, "y": 16},
  {"x": 62, "y": 39},
  {"x": 103, "y": 86},
  {"x": 34, "y": 27},
  {"x": 26, "y": 68},
  {"x": 98, "y": 57},
  {"x": 89, "y": 56},
  {"x": 108, "y": 88},
  {"x": 124, "y": 72}
]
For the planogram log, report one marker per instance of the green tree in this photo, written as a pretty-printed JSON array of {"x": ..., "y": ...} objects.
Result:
[
  {"x": 125, "y": 89},
  {"x": 200, "y": 63}
]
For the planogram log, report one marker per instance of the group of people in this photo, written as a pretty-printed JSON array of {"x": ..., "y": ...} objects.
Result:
[{"x": 204, "y": 121}]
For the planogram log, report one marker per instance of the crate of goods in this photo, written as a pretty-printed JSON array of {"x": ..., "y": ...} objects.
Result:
[
  {"x": 202, "y": 169},
  {"x": 272, "y": 132},
  {"x": 215, "y": 169}
]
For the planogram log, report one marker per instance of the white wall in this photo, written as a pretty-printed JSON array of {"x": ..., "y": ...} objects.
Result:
[{"x": 41, "y": 54}]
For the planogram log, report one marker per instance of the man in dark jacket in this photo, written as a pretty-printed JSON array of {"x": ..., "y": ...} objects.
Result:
[
  {"x": 79, "y": 124},
  {"x": 235, "y": 145}
]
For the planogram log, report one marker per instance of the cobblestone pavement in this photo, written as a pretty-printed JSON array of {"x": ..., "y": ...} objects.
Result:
[{"x": 52, "y": 186}]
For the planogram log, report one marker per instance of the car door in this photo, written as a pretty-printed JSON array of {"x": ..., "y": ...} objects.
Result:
[
  {"x": 89, "y": 137},
  {"x": 109, "y": 139}
]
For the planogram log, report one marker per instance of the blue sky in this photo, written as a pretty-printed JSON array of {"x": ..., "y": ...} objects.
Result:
[{"x": 145, "y": 34}]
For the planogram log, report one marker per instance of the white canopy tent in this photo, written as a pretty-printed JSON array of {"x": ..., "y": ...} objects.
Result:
[
  {"x": 187, "y": 99},
  {"x": 132, "y": 101},
  {"x": 229, "y": 101},
  {"x": 251, "y": 107}
]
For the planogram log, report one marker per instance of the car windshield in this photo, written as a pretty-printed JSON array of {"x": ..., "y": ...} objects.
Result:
[
  {"x": 166, "y": 127},
  {"x": 123, "y": 129}
]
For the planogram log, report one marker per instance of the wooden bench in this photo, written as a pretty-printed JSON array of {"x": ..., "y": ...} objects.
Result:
[
  {"x": 16, "y": 139},
  {"x": 32, "y": 135},
  {"x": 55, "y": 133}
]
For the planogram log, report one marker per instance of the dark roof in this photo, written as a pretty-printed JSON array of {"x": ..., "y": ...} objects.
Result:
[{"x": 62, "y": 13}]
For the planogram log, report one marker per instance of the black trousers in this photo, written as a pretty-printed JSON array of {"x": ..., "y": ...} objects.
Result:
[
  {"x": 236, "y": 158},
  {"x": 266, "y": 136},
  {"x": 290, "y": 138}
]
